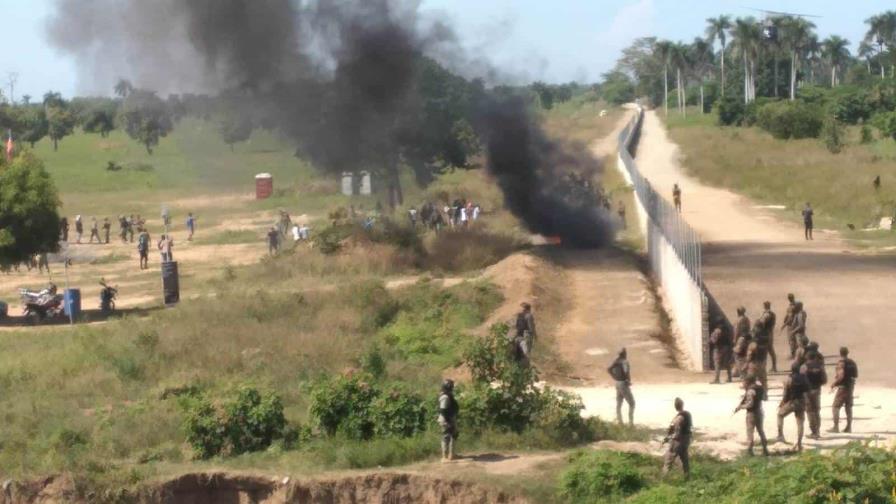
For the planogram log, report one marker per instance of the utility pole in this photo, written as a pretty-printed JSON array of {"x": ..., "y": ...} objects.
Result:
[{"x": 12, "y": 77}]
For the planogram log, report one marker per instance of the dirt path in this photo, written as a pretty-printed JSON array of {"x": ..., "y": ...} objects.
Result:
[{"x": 751, "y": 256}]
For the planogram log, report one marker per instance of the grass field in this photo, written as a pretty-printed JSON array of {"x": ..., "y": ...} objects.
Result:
[{"x": 792, "y": 172}]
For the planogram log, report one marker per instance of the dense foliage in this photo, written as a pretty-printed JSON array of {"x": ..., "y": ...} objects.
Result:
[
  {"x": 786, "y": 119},
  {"x": 29, "y": 219}
]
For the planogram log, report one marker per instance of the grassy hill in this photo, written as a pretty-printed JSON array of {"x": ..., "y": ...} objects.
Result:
[{"x": 791, "y": 172}]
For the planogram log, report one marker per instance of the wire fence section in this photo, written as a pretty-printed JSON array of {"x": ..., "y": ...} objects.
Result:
[{"x": 684, "y": 240}]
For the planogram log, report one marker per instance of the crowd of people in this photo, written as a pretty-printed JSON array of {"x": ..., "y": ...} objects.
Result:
[
  {"x": 457, "y": 215},
  {"x": 283, "y": 229},
  {"x": 131, "y": 228}
]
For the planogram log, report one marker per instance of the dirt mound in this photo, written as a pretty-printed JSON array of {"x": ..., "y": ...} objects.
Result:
[
  {"x": 517, "y": 276},
  {"x": 202, "y": 488}
]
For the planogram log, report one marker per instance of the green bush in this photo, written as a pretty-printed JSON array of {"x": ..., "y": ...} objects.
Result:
[
  {"x": 604, "y": 476},
  {"x": 731, "y": 111},
  {"x": 253, "y": 420},
  {"x": 886, "y": 123},
  {"x": 865, "y": 134},
  {"x": 360, "y": 410},
  {"x": 790, "y": 119},
  {"x": 832, "y": 134},
  {"x": 397, "y": 413},
  {"x": 504, "y": 396},
  {"x": 850, "y": 104},
  {"x": 247, "y": 422},
  {"x": 329, "y": 239}
]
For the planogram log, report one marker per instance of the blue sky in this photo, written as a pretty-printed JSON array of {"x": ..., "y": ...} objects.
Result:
[{"x": 552, "y": 40}]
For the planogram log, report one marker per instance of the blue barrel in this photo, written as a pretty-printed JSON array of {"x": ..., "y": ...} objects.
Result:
[{"x": 71, "y": 303}]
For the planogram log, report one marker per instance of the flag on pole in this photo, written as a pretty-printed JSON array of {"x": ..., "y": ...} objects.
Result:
[{"x": 10, "y": 146}]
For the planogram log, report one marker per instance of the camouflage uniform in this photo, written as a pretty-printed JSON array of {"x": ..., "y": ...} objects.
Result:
[
  {"x": 768, "y": 320},
  {"x": 845, "y": 383},
  {"x": 448, "y": 410},
  {"x": 794, "y": 401},
  {"x": 813, "y": 363},
  {"x": 679, "y": 438},
  {"x": 741, "y": 343},
  {"x": 621, "y": 373},
  {"x": 752, "y": 404},
  {"x": 755, "y": 366},
  {"x": 722, "y": 356},
  {"x": 788, "y": 320}
]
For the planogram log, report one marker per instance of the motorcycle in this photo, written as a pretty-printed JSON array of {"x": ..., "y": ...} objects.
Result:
[
  {"x": 107, "y": 298},
  {"x": 41, "y": 305}
]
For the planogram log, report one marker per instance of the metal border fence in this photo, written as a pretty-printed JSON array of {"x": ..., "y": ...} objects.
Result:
[{"x": 684, "y": 239}]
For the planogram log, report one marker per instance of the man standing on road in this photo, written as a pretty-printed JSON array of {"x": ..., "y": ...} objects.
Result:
[
  {"x": 95, "y": 230},
  {"x": 756, "y": 362},
  {"x": 816, "y": 376},
  {"x": 741, "y": 340},
  {"x": 273, "y": 241},
  {"x": 166, "y": 246},
  {"x": 769, "y": 319},
  {"x": 798, "y": 323},
  {"x": 525, "y": 331},
  {"x": 143, "y": 249},
  {"x": 721, "y": 344},
  {"x": 106, "y": 227},
  {"x": 845, "y": 383},
  {"x": 679, "y": 439},
  {"x": 788, "y": 319},
  {"x": 621, "y": 373},
  {"x": 448, "y": 410},
  {"x": 191, "y": 226},
  {"x": 808, "y": 220},
  {"x": 796, "y": 386},
  {"x": 752, "y": 404},
  {"x": 676, "y": 197}
]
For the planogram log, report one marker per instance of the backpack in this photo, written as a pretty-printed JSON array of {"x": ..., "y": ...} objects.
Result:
[
  {"x": 815, "y": 373},
  {"x": 688, "y": 424}
]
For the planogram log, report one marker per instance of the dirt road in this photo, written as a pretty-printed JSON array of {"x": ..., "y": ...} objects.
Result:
[{"x": 752, "y": 255}]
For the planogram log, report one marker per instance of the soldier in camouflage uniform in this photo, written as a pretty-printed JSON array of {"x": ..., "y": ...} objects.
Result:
[
  {"x": 785, "y": 325},
  {"x": 448, "y": 410},
  {"x": 741, "y": 340},
  {"x": 768, "y": 319},
  {"x": 679, "y": 439},
  {"x": 621, "y": 373},
  {"x": 756, "y": 363},
  {"x": 721, "y": 351},
  {"x": 752, "y": 404},
  {"x": 844, "y": 383},
  {"x": 796, "y": 386},
  {"x": 813, "y": 365}
]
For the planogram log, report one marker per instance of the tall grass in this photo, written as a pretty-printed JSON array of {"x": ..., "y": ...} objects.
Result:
[{"x": 792, "y": 172}]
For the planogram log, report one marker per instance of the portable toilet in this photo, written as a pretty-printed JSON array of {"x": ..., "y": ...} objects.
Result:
[
  {"x": 348, "y": 183},
  {"x": 264, "y": 185},
  {"x": 366, "y": 188}
]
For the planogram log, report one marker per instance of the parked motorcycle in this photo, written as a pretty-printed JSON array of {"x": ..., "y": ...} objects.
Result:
[{"x": 41, "y": 305}]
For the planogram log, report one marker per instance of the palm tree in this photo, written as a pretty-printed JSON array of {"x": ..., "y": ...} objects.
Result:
[
  {"x": 681, "y": 59},
  {"x": 813, "y": 55},
  {"x": 717, "y": 28},
  {"x": 701, "y": 63},
  {"x": 881, "y": 32},
  {"x": 746, "y": 37},
  {"x": 663, "y": 52},
  {"x": 776, "y": 48},
  {"x": 836, "y": 51},
  {"x": 797, "y": 32},
  {"x": 866, "y": 52},
  {"x": 123, "y": 88}
]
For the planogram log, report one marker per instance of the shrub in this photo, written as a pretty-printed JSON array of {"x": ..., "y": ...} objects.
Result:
[
  {"x": 604, "y": 475},
  {"x": 469, "y": 249},
  {"x": 865, "y": 134},
  {"x": 786, "y": 119},
  {"x": 850, "y": 105},
  {"x": 247, "y": 422},
  {"x": 886, "y": 123},
  {"x": 329, "y": 239},
  {"x": 360, "y": 410},
  {"x": 398, "y": 413},
  {"x": 832, "y": 134},
  {"x": 504, "y": 395},
  {"x": 731, "y": 111},
  {"x": 253, "y": 420}
]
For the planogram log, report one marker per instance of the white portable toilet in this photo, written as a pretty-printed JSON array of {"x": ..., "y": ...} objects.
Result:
[
  {"x": 348, "y": 182},
  {"x": 365, "y": 183}
]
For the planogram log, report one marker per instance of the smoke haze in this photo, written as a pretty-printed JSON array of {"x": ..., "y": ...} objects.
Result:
[{"x": 336, "y": 77}]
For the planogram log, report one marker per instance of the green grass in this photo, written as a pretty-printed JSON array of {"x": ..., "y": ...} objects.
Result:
[
  {"x": 231, "y": 237},
  {"x": 579, "y": 121},
  {"x": 792, "y": 172}
]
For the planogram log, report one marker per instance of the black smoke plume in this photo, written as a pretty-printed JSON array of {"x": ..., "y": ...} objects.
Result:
[{"x": 338, "y": 77}]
